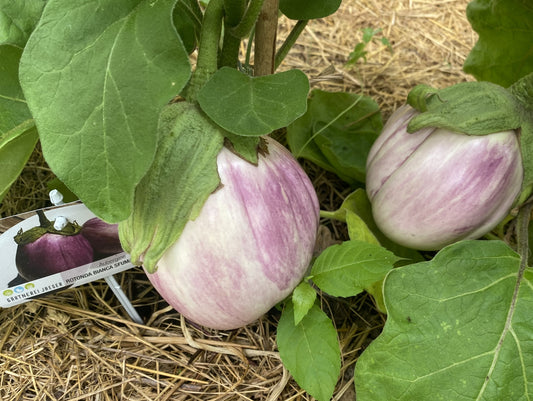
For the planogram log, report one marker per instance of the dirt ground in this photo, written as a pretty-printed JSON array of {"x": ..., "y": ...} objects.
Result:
[{"x": 79, "y": 344}]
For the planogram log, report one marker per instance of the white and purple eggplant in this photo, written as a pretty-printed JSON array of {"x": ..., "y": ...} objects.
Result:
[
  {"x": 434, "y": 187},
  {"x": 102, "y": 236},
  {"x": 250, "y": 245},
  {"x": 52, "y": 247}
]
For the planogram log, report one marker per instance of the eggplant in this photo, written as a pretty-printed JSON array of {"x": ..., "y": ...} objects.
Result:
[
  {"x": 46, "y": 250},
  {"x": 103, "y": 237},
  {"x": 250, "y": 246},
  {"x": 434, "y": 187}
]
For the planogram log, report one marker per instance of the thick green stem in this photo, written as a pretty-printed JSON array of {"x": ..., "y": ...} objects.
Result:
[
  {"x": 233, "y": 10},
  {"x": 265, "y": 38},
  {"x": 207, "y": 62},
  {"x": 229, "y": 56},
  {"x": 236, "y": 30},
  {"x": 294, "y": 34}
]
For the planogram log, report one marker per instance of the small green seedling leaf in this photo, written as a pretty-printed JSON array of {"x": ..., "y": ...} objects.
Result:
[
  {"x": 359, "y": 52},
  {"x": 303, "y": 298},
  {"x": 346, "y": 269},
  {"x": 96, "y": 76},
  {"x": 254, "y": 106},
  {"x": 459, "y": 328},
  {"x": 310, "y": 351}
]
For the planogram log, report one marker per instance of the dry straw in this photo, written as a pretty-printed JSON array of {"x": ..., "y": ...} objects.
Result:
[{"x": 79, "y": 344}]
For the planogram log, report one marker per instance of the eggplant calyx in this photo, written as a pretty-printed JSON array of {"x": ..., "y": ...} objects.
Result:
[{"x": 46, "y": 227}]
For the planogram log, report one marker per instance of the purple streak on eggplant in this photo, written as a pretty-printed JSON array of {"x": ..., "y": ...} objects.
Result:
[{"x": 103, "y": 237}]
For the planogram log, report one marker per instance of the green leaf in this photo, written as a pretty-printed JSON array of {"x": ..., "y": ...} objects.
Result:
[
  {"x": 310, "y": 351},
  {"x": 18, "y": 19},
  {"x": 308, "y": 9},
  {"x": 13, "y": 107},
  {"x": 504, "y": 50},
  {"x": 16, "y": 147},
  {"x": 254, "y": 106},
  {"x": 345, "y": 270},
  {"x": 336, "y": 133},
  {"x": 358, "y": 230},
  {"x": 18, "y": 135},
  {"x": 456, "y": 329},
  {"x": 96, "y": 75},
  {"x": 178, "y": 183},
  {"x": 187, "y": 17},
  {"x": 303, "y": 299}
]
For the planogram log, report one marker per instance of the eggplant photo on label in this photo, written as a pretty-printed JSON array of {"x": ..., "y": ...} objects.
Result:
[
  {"x": 50, "y": 248},
  {"x": 102, "y": 236}
]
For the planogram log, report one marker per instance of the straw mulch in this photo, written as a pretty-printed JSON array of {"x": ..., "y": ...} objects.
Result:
[{"x": 79, "y": 344}]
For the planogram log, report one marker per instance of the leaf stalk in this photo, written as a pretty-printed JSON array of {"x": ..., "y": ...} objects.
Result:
[{"x": 208, "y": 49}]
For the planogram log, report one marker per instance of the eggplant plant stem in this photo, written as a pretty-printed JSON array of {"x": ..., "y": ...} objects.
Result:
[
  {"x": 325, "y": 214},
  {"x": 233, "y": 11},
  {"x": 289, "y": 42},
  {"x": 207, "y": 62},
  {"x": 229, "y": 54},
  {"x": 265, "y": 38}
]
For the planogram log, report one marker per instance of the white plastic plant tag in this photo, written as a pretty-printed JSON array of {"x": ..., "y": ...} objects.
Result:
[{"x": 54, "y": 248}]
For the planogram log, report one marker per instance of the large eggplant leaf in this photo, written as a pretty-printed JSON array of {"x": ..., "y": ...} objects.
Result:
[
  {"x": 310, "y": 351},
  {"x": 337, "y": 132},
  {"x": 308, "y": 9},
  {"x": 504, "y": 50},
  {"x": 18, "y": 19},
  {"x": 254, "y": 106},
  {"x": 459, "y": 328},
  {"x": 96, "y": 74},
  {"x": 17, "y": 129}
]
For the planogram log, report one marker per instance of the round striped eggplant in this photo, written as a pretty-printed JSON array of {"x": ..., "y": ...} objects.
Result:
[
  {"x": 434, "y": 187},
  {"x": 249, "y": 247}
]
